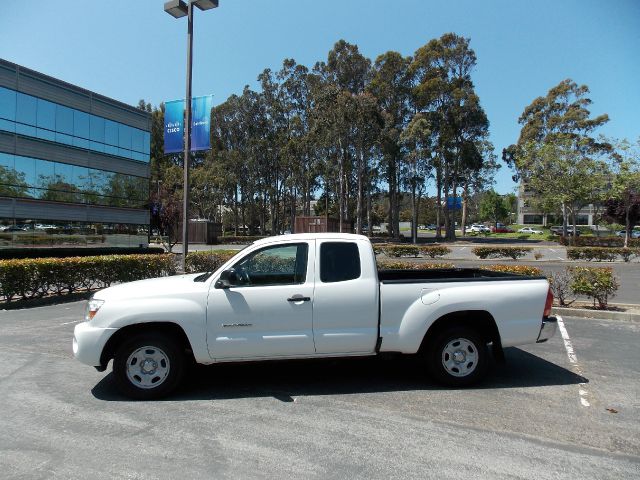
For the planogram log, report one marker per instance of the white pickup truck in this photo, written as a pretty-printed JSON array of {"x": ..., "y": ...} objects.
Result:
[{"x": 309, "y": 296}]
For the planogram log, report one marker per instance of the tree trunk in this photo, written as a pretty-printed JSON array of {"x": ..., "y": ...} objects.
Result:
[
  {"x": 627, "y": 224},
  {"x": 235, "y": 211},
  {"x": 438, "y": 204},
  {"x": 369, "y": 220},
  {"x": 360, "y": 199},
  {"x": 463, "y": 220},
  {"x": 391, "y": 180},
  {"x": 414, "y": 214}
]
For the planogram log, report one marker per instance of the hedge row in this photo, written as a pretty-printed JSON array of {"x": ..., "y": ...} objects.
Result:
[
  {"x": 38, "y": 239},
  {"x": 34, "y": 278},
  {"x": 44, "y": 252},
  {"x": 403, "y": 265},
  {"x": 517, "y": 269},
  {"x": 501, "y": 252},
  {"x": 240, "y": 239},
  {"x": 592, "y": 241},
  {"x": 207, "y": 261},
  {"x": 602, "y": 254},
  {"x": 395, "y": 250}
]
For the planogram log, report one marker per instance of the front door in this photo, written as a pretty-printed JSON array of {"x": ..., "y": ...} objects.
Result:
[{"x": 268, "y": 312}]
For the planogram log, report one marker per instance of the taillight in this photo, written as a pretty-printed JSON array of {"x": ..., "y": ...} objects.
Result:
[{"x": 548, "y": 304}]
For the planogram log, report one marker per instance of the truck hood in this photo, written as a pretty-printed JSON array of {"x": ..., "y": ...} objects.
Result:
[{"x": 150, "y": 288}]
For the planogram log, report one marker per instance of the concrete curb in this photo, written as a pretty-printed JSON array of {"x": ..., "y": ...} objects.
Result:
[{"x": 597, "y": 314}]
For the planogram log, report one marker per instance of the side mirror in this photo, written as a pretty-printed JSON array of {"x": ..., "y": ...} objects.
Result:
[{"x": 228, "y": 278}]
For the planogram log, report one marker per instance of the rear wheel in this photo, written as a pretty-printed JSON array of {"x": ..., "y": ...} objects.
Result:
[
  {"x": 458, "y": 357},
  {"x": 148, "y": 366}
]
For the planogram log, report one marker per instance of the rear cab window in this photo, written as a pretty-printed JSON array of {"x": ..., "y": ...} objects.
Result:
[{"x": 339, "y": 262}]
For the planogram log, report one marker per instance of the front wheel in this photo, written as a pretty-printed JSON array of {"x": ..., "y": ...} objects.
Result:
[
  {"x": 458, "y": 357},
  {"x": 148, "y": 366}
]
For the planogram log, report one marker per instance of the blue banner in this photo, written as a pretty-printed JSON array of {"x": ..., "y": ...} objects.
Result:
[
  {"x": 174, "y": 126},
  {"x": 201, "y": 122},
  {"x": 454, "y": 206}
]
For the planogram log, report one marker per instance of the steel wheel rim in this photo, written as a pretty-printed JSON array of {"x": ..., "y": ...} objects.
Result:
[
  {"x": 148, "y": 367},
  {"x": 460, "y": 357}
]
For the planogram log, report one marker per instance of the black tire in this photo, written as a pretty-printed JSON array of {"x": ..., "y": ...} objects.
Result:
[
  {"x": 148, "y": 366},
  {"x": 457, "y": 357}
]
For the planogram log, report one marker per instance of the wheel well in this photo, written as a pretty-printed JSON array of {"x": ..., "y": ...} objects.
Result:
[
  {"x": 172, "y": 331},
  {"x": 480, "y": 320}
]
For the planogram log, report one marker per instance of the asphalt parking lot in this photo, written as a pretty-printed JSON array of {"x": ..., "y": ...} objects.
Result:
[{"x": 538, "y": 416}]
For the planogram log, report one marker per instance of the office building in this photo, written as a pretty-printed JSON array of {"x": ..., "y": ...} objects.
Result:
[{"x": 74, "y": 165}]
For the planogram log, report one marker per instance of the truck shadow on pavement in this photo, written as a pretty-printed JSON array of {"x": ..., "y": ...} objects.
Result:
[{"x": 284, "y": 380}]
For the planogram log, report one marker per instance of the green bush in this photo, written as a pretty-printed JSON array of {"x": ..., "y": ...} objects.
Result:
[
  {"x": 401, "y": 250},
  {"x": 517, "y": 269},
  {"x": 33, "y": 278},
  {"x": 435, "y": 251},
  {"x": 601, "y": 254},
  {"x": 501, "y": 252},
  {"x": 598, "y": 283},
  {"x": 593, "y": 241},
  {"x": 240, "y": 239},
  {"x": 207, "y": 261},
  {"x": 404, "y": 265}
]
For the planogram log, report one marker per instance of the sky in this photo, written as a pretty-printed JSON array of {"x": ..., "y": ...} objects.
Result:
[{"x": 131, "y": 49}]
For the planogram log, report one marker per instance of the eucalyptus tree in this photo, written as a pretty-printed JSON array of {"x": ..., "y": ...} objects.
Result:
[
  {"x": 477, "y": 176},
  {"x": 624, "y": 202},
  {"x": 336, "y": 86},
  {"x": 419, "y": 141},
  {"x": 557, "y": 135},
  {"x": 442, "y": 76},
  {"x": 391, "y": 86}
]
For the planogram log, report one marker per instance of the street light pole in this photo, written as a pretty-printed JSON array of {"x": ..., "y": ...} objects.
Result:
[
  {"x": 178, "y": 9},
  {"x": 187, "y": 142}
]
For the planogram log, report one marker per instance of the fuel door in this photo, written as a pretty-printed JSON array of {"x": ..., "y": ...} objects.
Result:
[{"x": 429, "y": 296}]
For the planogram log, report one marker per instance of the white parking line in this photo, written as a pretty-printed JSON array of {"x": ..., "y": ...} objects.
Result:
[
  {"x": 556, "y": 252},
  {"x": 573, "y": 359},
  {"x": 69, "y": 323}
]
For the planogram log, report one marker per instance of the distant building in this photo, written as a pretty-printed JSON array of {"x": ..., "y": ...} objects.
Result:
[
  {"x": 74, "y": 165},
  {"x": 529, "y": 215}
]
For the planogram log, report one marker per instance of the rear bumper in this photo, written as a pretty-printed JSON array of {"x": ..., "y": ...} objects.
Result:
[{"x": 548, "y": 328}]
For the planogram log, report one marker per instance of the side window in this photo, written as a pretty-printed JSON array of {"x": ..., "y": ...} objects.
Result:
[
  {"x": 279, "y": 265},
  {"x": 339, "y": 261}
]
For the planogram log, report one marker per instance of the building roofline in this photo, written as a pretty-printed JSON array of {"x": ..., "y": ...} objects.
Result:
[{"x": 69, "y": 86}]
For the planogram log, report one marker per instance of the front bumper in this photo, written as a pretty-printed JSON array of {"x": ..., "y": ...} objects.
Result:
[
  {"x": 88, "y": 342},
  {"x": 548, "y": 328}
]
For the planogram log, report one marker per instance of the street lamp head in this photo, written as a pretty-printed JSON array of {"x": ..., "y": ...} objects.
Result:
[
  {"x": 176, "y": 8},
  {"x": 205, "y": 4}
]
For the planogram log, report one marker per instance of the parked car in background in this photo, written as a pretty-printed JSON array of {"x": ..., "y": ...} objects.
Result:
[
  {"x": 501, "y": 229},
  {"x": 477, "y": 228},
  {"x": 530, "y": 230},
  {"x": 632, "y": 233},
  {"x": 557, "y": 230}
]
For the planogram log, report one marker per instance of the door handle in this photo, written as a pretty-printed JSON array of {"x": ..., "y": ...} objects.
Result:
[{"x": 298, "y": 298}]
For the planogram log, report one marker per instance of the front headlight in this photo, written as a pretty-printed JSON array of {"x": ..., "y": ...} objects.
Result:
[{"x": 93, "y": 305}]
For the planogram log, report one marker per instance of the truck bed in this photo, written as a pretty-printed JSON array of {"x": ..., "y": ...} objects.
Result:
[{"x": 448, "y": 275}]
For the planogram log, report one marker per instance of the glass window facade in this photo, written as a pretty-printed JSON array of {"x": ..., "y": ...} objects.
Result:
[
  {"x": 26, "y": 177},
  {"x": 35, "y": 117},
  {"x": 31, "y": 232}
]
